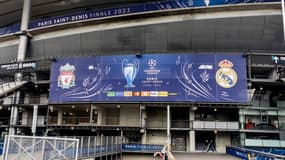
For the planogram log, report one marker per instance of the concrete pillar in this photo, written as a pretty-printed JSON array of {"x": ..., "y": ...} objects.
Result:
[
  {"x": 282, "y": 136},
  {"x": 143, "y": 116},
  {"x": 13, "y": 120},
  {"x": 22, "y": 48},
  {"x": 242, "y": 139},
  {"x": 192, "y": 141},
  {"x": 191, "y": 118},
  {"x": 35, "y": 118},
  {"x": 223, "y": 139},
  {"x": 168, "y": 125},
  {"x": 144, "y": 137},
  {"x": 16, "y": 114},
  {"x": 99, "y": 116},
  {"x": 24, "y": 27},
  {"x": 12, "y": 130},
  {"x": 241, "y": 119},
  {"x": 59, "y": 117},
  {"x": 91, "y": 113},
  {"x": 25, "y": 117}
]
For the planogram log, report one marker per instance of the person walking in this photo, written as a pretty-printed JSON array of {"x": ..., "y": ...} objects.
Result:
[{"x": 212, "y": 146}]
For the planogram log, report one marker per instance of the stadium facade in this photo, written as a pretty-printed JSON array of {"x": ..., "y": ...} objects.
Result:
[{"x": 207, "y": 70}]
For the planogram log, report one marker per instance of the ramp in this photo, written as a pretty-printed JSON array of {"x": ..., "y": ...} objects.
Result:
[
  {"x": 184, "y": 156},
  {"x": 10, "y": 86}
]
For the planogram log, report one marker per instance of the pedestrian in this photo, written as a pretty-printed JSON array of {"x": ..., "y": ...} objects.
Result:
[{"x": 212, "y": 146}]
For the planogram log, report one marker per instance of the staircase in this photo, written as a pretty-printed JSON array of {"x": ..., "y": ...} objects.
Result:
[{"x": 7, "y": 87}]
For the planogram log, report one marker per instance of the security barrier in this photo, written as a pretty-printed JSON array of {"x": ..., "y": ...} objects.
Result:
[
  {"x": 249, "y": 154},
  {"x": 43, "y": 148}
]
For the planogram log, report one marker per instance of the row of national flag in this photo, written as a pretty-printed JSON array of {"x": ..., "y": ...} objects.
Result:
[{"x": 139, "y": 94}]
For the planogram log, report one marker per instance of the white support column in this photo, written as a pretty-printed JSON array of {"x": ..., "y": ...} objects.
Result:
[
  {"x": 59, "y": 117},
  {"x": 241, "y": 119},
  {"x": 24, "y": 27},
  {"x": 25, "y": 116},
  {"x": 191, "y": 118},
  {"x": 143, "y": 116},
  {"x": 22, "y": 48},
  {"x": 11, "y": 128},
  {"x": 143, "y": 123},
  {"x": 168, "y": 125},
  {"x": 192, "y": 141},
  {"x": 35, "y": 118},
  {"x": 91, "y": 121},
  {"x": 99, "y": 116},
  {"x": 242, "y": 139}
]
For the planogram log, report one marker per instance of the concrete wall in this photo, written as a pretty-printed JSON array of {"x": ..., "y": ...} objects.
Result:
[
  {"x": 112, "y": 116},
  {"x": 156, "y": 137},
  {"x": 129, "y": 116},
  {"x": 223, "y": 139},
  {"x": 156, "y": 117},
  {"x": 138, "y": 157}
]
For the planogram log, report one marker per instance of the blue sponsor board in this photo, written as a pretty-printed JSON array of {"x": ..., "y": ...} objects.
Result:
[
  {"x": 135, "y": 147},
  {"x": 122, "y": 10},
  {"x": 237, "y": 152},
  {"x": 152, "y": 77},
  {"x": 249, "y": 154},
  {"x": 9, "y": 29}
]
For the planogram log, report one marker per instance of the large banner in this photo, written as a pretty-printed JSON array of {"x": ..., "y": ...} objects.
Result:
[
  {"x": 150, "y": 78},
  {"x": 123, "y": 10}
]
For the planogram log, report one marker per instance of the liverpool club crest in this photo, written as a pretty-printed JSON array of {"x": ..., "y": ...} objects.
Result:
[
  {"x": 226, "y": 77},
  {"x": 66, "y": 78}
]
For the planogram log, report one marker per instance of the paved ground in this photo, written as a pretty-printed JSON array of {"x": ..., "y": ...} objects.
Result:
[
  {"x": 185, "y": 156},
  {"x": 204, "y": 156}
]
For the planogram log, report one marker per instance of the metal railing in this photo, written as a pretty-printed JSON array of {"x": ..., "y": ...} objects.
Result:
[
  {"x": 70, "y": 120},
  {"x": 98, "y": 146},
  {"x": 180, "y": 124},
  {"x": 264, "y": 126},
  {"x": 215, "y": 125},
  {"x": 264, "y": 143}
]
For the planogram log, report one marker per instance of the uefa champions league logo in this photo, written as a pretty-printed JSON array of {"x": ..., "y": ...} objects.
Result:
[
  {"x": 130, "y": 71},
  {"x": 151, "y": 63}
]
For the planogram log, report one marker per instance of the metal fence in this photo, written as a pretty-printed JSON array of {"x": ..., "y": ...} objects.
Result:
[
  {"x": 64, "y": 148},
  {"x": 100, "y": 146},
  {"x": 39, "y": 148}
]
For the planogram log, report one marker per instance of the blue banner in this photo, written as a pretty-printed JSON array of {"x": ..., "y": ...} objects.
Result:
[
  {"x": 151, "y": 77},
  {"x": 136, "y": 147},
  {"x": 249, "y": 154},
  {"x": 122, "y": 10},
  {"x": 9, "y": 29}
]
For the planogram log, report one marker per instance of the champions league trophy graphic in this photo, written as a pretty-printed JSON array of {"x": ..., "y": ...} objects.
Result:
[
  {"x": 130, "y": 71},
  {"x": 207, "y": 2}
]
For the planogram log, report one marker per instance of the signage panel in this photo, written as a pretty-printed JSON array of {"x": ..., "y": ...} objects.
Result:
[
  {"x": 122, "y": 10},
  {"x": 18, "y": 66},
  {"x": 151, "y": 77}
]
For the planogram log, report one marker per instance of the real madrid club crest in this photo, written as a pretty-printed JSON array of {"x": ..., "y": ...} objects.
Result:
[
  {"x": 66, "y": 78},
  {"x": 226, "y": 77}
]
